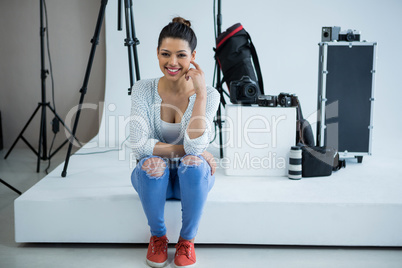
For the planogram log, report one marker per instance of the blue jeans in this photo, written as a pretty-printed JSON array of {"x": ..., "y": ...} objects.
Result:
[{"x": 188, "y": 183}]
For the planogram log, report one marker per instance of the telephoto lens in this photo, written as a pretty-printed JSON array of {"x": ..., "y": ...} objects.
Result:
[{"x": 295, "y": 163}]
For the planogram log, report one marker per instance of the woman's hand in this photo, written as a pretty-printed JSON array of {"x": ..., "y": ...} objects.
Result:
[
  {"x": 198, "y": 78},
  {"x": 211, "y": 161}
]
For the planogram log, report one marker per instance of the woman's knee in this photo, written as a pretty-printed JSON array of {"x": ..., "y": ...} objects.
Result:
[
  {"x": 154, "y": 167},
  {"x": 192, "y": 160},
  {"x": 194, "y": 166}
]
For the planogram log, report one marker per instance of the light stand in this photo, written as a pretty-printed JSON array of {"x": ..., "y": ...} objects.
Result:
[
  {"x": 131, "y": 42},
  {"x": 219, "y": 82},
  {"x": 42, "y": 105}
]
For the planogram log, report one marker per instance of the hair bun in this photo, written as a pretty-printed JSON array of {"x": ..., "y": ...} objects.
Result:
[{"x": 182, "y": 21}]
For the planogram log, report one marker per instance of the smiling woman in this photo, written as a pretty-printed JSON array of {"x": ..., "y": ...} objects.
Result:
[
  {"x": 174, "y": 57},
  {"x": 171, "y": 128}
]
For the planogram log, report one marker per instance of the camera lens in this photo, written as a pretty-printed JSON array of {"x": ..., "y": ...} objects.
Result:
[
  {"x": 350, "y": 37},
  {"x": 250, "y": 91}
]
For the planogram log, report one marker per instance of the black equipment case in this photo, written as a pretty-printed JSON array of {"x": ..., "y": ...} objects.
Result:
[{"x": 346, "y": 79}]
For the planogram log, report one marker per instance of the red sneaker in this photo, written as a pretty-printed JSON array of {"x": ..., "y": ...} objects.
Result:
[
  {"x": 157, "y": 251},
  {"x": 185, "y": 254}
]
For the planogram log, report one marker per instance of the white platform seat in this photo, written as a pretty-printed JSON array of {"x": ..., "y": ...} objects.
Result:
[
  {"x": 358, "y": 206},
  {"x": 258, "y": 139}
]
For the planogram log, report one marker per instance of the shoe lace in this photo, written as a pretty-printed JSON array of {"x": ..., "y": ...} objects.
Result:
[
  {"x": 159, "y": 245},
  {"x": 183, "y": 248}
]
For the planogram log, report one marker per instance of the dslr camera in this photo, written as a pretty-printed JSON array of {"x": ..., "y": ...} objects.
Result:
[
  {"x": 283, "y": 100},
  {"x": 286, "y": 99},
  {"x": 267, "y": 101},
  {"x": 335, "y": 34},
  {"x": 349, "y": 35},
  {"x": 244, "y": 91}
]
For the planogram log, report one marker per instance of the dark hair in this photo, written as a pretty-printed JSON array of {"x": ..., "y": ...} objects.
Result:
[{"x": 181, "y": 29}]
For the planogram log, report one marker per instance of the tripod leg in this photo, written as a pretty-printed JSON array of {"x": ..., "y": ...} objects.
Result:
[
  {"x": 64, "y": 125},
  {"x": 23, "y": 130},
  {"x": 61, "y": 146},
  {"x": 11, "y": 187},
  {"x": 69, "y": 131},
  {"x": 94, "y": 41}
]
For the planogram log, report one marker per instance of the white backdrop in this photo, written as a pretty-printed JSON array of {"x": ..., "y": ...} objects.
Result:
[{"x": 285, "y": 33}]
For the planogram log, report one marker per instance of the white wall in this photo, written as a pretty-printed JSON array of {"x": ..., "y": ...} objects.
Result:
[{"x": 285, "y": 33}]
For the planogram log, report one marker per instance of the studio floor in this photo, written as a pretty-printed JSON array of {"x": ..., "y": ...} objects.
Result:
[{"x": 20, "y": 171}]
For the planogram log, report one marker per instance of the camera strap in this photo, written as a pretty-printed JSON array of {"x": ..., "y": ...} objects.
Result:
[
  {"x": 256, "y": 64},
  {"x": 299, "y": 118},
  {"x": 304, "y": 132}
]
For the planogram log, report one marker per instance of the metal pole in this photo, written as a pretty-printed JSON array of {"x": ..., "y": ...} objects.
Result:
[
  {"x": 218, "y": 82},
  {"x": 44, "y": 72}
]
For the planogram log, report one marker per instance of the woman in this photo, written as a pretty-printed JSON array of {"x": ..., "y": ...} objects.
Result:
[{"x": 170, "y": 130}]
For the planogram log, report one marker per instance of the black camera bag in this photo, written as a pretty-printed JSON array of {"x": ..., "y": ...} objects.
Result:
[
  {"x": 234, "y": 50},
  {"x": 317, "y": 161}
]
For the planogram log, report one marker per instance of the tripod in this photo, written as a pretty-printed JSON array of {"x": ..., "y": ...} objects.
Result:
[
  {"x": 42, "y": 147},
  {"x": 131, "y": 42}
]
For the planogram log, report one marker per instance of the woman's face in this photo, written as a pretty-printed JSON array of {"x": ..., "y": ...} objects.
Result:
[{"x": 174, "y": 57}]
